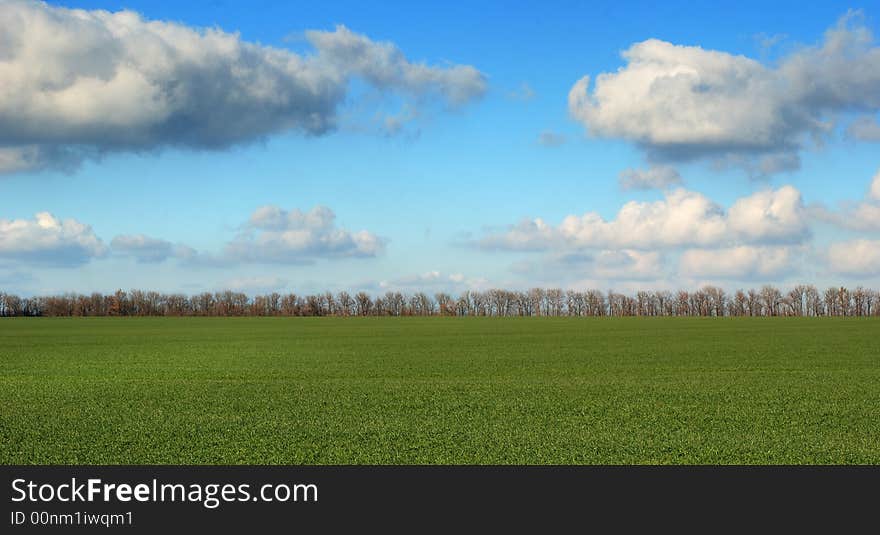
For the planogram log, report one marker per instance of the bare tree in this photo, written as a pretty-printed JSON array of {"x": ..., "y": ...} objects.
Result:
[
  {"x": 345, "y": 303},
  {"x": 363, "y": 304},
  {"x": 444, "y": 302},
  {"x": 801, "y": 300},
  {"x": 771, "y": 299}
]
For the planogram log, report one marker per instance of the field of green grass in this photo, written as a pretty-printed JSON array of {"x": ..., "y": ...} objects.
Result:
[{"x": 439, "y": 390}]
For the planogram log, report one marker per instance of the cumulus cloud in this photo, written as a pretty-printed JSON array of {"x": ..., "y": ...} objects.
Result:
[
  {"x": 681, "y": 103},
  {"x": 274, "y": 235},
  {"x": 523, "y": 93},
  {"x": 78, "y": 84},
  {"x": 254, "y": 285},
  {"x": 270, "y": 236},
  {"x": 767, "y": 42},
  {"x": 874, "y": 192},
  {"x": 655, "y": 177},
  {"x": 430, "y": 282},
  {"x": 627, "y": 264},
  {"x": 47, "y": 240},
  {"x": 769, "y": 216},
  {"x": 428, "y": 278},
  {"x": 683, "y": 218},
  {"x": 16, "y": 277},
  {"x": 864, "y": 128},
  {"x": 855, "y": 258},
  {"x": 433, "y": 281},
  {"x": 384, "y": 66},
  {"x": 739, "y": 263},
  {"x": 148, "y": 250},
  {"x": 609, "y": 265},
  {"x": 863, "y": 215},
  {"x": 551, "y": 139}
]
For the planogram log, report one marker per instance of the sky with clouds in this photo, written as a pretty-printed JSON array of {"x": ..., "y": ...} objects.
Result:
[{"x": 282, "y": 146}]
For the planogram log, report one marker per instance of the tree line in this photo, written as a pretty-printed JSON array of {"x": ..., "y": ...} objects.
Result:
[{"x": 802, "y": 300}]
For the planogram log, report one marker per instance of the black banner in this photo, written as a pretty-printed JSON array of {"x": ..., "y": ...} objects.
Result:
[{"x": 168, "y": 499}]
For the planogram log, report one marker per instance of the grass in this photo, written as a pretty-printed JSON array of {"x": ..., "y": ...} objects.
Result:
[{"x": 439, "y": 390}]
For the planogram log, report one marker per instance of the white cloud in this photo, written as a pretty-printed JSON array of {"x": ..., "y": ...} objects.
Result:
[
  {"x": 776, "y": 216},
  {"x": 739, "y": 263},
  {"x": 254, "y": 285},
  {"x": 551, "y": 139},
  {"x": 862, "y": 216},
  {"x": 681, "y": 103},
  {"x": 682, "y": 219},
  {"x": 767, "y": 42},
  {"x": 628, "y": 264},
  {"x": 79, "y": 84},
  {"x": 874, "y": 192},
  {"x": 49, "y": 240},
  {"x": 855, "y": 258},
  {"x": 427, "y": 279},
  {"x": 270, "y": 236},
  {"x": 275, "y": 235},
  {"x": 433, "y": 281},
  {"x": 148, "y": 250},
  {"x": 523, "y": 93},
  {"x": 609, "y": 265},
  {"x": 655, "y": 177},
  {"x": 383, "y": 65},
  {"x": 865, "y": 128}
]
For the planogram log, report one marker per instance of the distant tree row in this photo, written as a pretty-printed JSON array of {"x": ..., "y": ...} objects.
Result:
[{"x": 802, "y": 300}]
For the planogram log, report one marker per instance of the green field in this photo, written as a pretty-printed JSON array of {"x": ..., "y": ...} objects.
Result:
[{"x": 439, "y": 390}]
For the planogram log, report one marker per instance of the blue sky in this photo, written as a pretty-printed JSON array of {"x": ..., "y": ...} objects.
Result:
[{"x": 444, "y": 195}]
